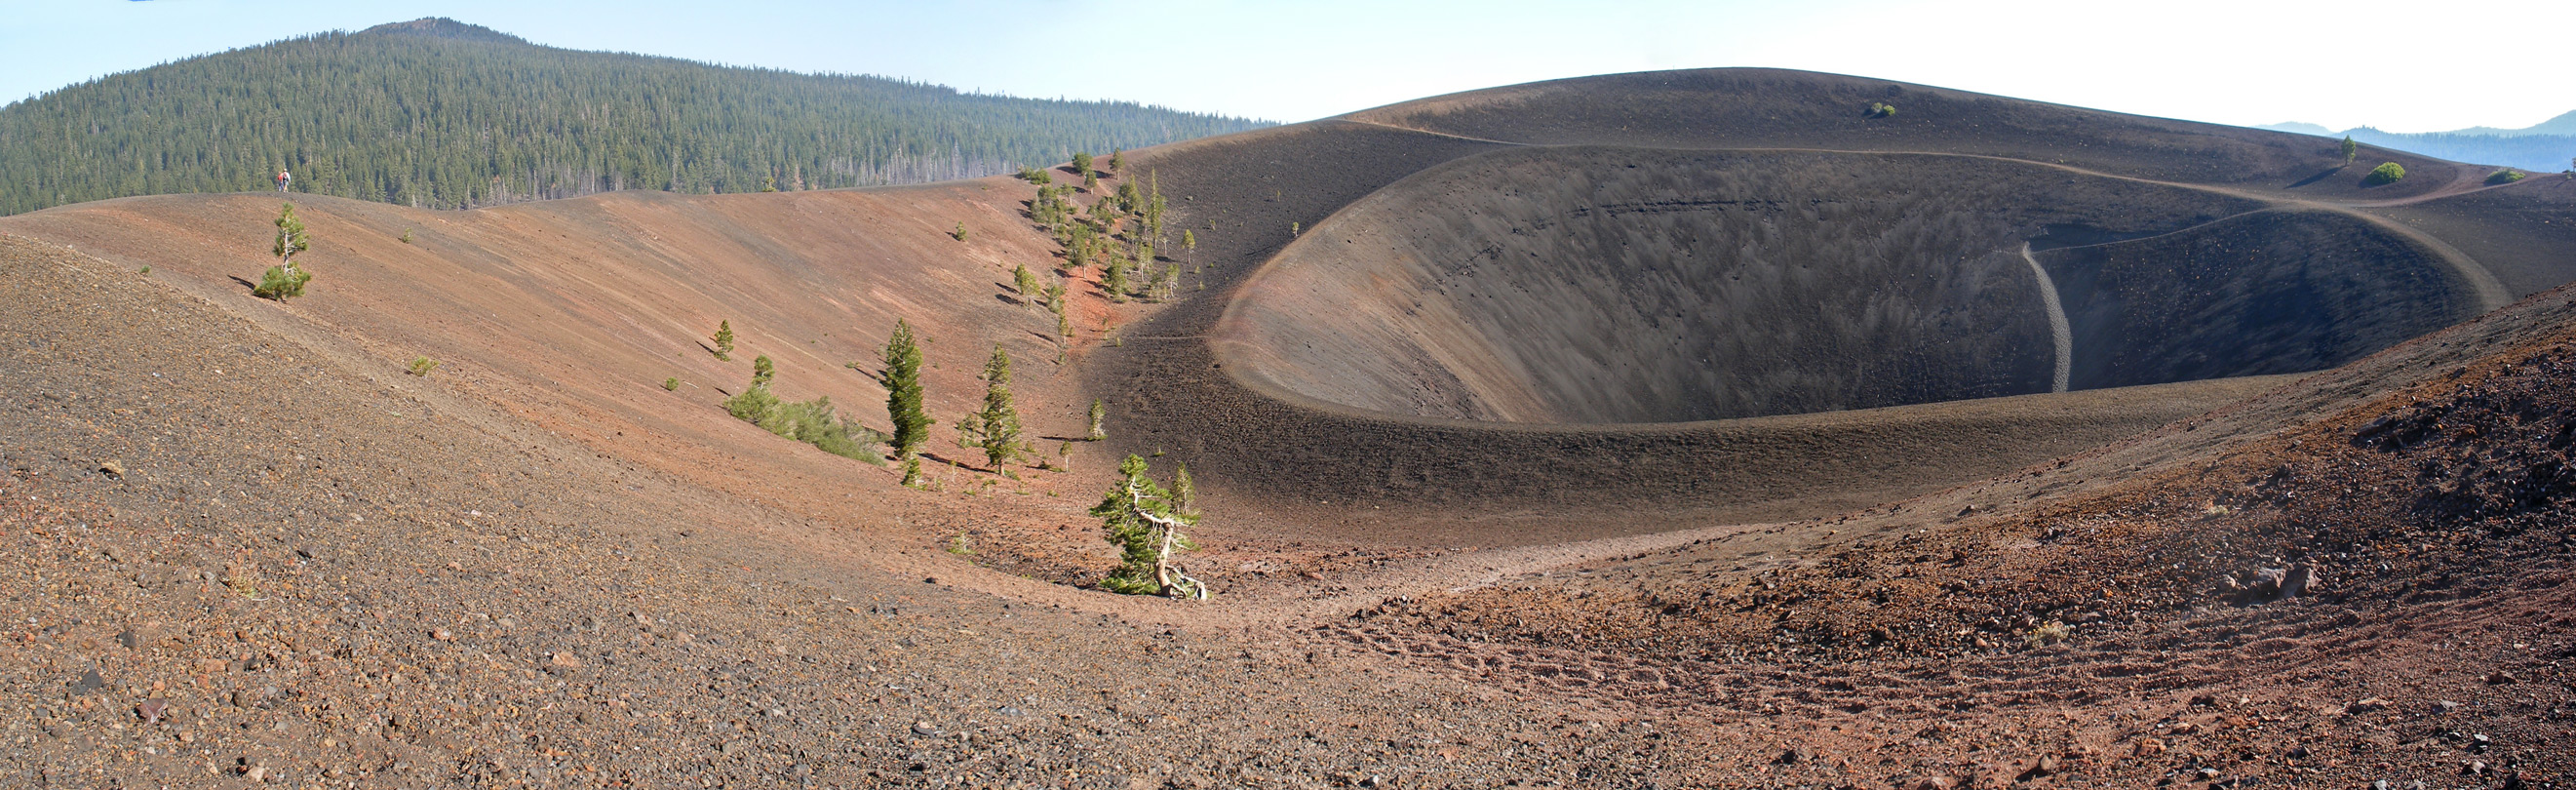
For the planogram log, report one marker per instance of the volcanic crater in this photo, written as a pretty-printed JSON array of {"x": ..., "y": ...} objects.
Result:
[{"x": 1606, "y": 284}]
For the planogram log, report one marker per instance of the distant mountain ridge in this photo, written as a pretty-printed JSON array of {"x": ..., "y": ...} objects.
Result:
[
  {"x": 2546, "y": 146},
  {"x": 443, "y": 114}
]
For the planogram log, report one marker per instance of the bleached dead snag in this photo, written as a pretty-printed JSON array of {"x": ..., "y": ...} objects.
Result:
[{"x": 1145, "y": 521}]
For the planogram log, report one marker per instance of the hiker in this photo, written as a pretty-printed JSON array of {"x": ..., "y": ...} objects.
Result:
[{"x": 282, "y": 178}]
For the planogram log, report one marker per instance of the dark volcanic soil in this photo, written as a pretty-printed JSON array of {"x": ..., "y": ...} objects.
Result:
[{"x": 244, "y": 548}]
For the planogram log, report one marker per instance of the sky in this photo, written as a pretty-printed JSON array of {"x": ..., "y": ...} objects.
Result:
[{"x": 2407, "y": 67}]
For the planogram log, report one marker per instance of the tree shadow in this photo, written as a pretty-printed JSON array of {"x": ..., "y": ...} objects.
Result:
[
  {"x": 245, "y": 284},
  {"x": 2320, "y": 176}
]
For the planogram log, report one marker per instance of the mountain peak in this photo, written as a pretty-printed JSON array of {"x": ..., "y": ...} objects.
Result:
[{"x": 443, "y": 27}]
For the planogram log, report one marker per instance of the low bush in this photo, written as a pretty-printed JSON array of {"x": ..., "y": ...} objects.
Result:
[
  {"x": 421, "y": 366},
  {"x": 671, "y": 384},
  {"x": 2504, "y": 177},
  {"x": 281, "y": 283},
  {"x": 2385, "y": 173},
  {"x": 813, "y": 422}
]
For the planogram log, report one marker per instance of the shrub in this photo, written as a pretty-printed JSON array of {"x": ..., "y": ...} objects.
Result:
[
  {"x": 421, "y": 366},
  {"x": 671, "y": 384},
  {"x": 724, "y": 341},
  {"x": 960, "y": 233},
  {"x": 2506, "y": 176},
  {"x": 753, "y": 405},
  {"x": 1099, "y": 415},
  {"x": 2385, "y": 173},
  {"x": 405, "y": 238},
  {"x": 2045, "y": 634},
  {"x": 1880, "y": 110},
  {"x": 281, "y": 283},
  {"x": 813, "y": 422}
]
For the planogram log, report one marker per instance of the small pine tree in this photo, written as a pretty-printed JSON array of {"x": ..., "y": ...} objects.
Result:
[
  {"x": 1128, "y": 200},
  {"x": 1117, "y": 159},
  {"x": 1141, "y": 519},
  {"x": 1099, "y": 416},
  {"x": 1185, "y": 492},
  {"x": 1190, "y": 247},
  {"x": 1026, "y": 283},
  {"x": 762, "y": 371},
  {"x": 1115, "y": 282},
  {"x": 960, "y": 233},
  {"x": 1082, "y": 164},
  {"x": 1055, "y": 304},
  {"x": 912, "y": 472},
  {"x": 2350, "y": 149},
  {"x": 724, "y": 341},
  {"x": 996, "y": 428},
  {"x": 902, "y": 379},
  {"x": 768, "y": 183},
  {"x": 285, "y": 280},
  {"x": 755, "y": 405}
]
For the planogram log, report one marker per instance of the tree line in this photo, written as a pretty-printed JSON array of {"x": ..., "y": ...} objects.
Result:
[{"x": 439, "y": 114}]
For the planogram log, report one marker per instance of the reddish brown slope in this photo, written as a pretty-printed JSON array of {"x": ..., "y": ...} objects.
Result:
[{"x": 573, "y": 312}]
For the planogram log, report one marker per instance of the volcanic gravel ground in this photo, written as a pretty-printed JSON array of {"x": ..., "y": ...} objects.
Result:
[
  {"x": 2379, "y": 595},
  {"x": 255, "y": 568}
]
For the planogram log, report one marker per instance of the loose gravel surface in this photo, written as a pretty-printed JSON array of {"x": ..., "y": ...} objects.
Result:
[{"x": 232, "y": 563}]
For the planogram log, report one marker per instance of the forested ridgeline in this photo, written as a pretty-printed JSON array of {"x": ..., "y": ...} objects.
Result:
[{"x": 441, "y": 114}]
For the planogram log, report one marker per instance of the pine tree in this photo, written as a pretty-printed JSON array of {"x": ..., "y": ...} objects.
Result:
[
  {"x": 1115, "y": 282},
  {"x": 1055, "y": 304},
  {"x": 756, "y": 405},
  {"x": 1117, "y": 159},
  {"x": 2350, "y": 149},
  {"x": 285, "y": 280},
  {"x": 1185, "y": 492},
  {"x": 995, "y": 428},
  {"x": 960, "y": 233},
  {"x": 903, "y": 392},
  {"x": 1082, "y": 167},
  {"x": 426, "y": 118},
  {"x": 724, "y": 341},
  {"x": 1099, "y": 416},
  {"x": 1026, "y": 284},
  {"x": 1128, "y": 200},
  {"x": 1190, "y": 247},
  {"x": 1141, "y": 519}
]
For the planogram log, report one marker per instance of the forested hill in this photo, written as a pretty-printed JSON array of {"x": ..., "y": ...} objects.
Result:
[{"x": 442, "y": 114}]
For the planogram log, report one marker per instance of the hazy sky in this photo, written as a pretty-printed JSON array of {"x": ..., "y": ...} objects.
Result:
[{"x": 2414, "y": 66}]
